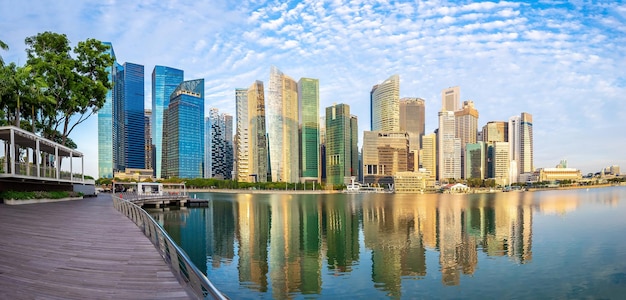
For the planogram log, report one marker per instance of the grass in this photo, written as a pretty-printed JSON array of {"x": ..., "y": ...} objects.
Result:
[{"x": 38, "y": 195}]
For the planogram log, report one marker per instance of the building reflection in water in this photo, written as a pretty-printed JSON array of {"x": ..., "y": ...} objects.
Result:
[{"x": 282, "y": 243}]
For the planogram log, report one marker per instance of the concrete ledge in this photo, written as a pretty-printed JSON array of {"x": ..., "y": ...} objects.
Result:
[{"x": 34, "y": 201}]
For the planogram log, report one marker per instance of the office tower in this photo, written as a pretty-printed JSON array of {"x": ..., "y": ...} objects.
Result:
[
  {"x": 514, "y": 147},
  {"x": 282, "y": 127},
  {"x": 412, "y": 120},
  {"x": 496, "y": 131},
  {"x": 258, "y": 163},
  {"x": 242, "y": 142},
  {"x": 450, "y": 99},
  {"x": 147, "y": 118},
  {"x": 209, "y": 139},
  {"x": 526, "y": 164},
  {"x": 475, "y": 160},
  {"x": 323, "y": 148},
  {"x": 501, "y": 161},
  {"x": 466, "y": 126},
  {"x": 131, "y": 77},
  {"x": 339, "y": 144},
  {"x": 218, "y": 151},
  {"x": 385, "y": 105},
  {"x": 309, "y": 107},
  {"x": 449, "y": 151},
  {"x": 429, "y": 154},
  {"x": 229, "y": 156},
  {"x": 184, "y": 131},
  {"x": 384, "y": 154},
  {"x": 354, "y": 147},
  {"x": 164, "y": 82},
  {"x": 105, "y": 124}
]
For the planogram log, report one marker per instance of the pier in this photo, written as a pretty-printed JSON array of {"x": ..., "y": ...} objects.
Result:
[{"x": 80, "y": 250}]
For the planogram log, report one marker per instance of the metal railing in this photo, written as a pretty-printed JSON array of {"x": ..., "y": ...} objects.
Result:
[{"x": 187, "y": 273}]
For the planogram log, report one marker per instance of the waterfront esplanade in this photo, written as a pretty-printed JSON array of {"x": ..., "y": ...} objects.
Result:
[{"x": 27, "y": 161}]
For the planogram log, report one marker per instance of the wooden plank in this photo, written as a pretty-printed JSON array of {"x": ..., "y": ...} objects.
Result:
[{"x": 79, "y": 250}]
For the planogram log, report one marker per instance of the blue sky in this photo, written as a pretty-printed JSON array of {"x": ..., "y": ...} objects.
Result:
[{"x": 563, "y": 62}]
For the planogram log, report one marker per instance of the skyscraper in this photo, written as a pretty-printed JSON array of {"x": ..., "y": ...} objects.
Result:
[
  {"x": 449, "y": 151},
  {"x": 258, "y": 163},
  {"x": 385, "y": 105},
  {"x": 132, "y": 82},
  {"x": 105, "y": 124},
  {"x": 514, "y": 147},
  {"x": 450, "y": 98},
  {"x": 466, "y": 123},
  {"x": 475, "y": 160},
  {"x": 164, "y": 82},
  {"x": 429, "y": 154},
  {"x": 184, "y": 131},
  {"x": 147, "y": 117},
  {"x": 309, "y": 107},
  {"x": 339, "y": 144},
  {"x": 384, "y": 154},
  {"x": 242, "y": 141},
  {"x": 412, "y": 120},
  {"x": 496, "y": 131},
  {"x": 218, "y": 151},
  {"x": 501, "y": 162},
  {"x": 282, "y": 127},
  {"x": 526, "y": 164}
]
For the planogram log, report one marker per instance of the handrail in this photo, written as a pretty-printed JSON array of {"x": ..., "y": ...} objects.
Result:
[{"x": 186, "y": 272}]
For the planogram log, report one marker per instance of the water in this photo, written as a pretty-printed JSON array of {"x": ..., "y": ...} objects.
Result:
[{"x": 524, "y": 245}]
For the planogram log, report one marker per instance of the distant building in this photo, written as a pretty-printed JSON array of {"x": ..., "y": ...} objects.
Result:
[
  {"x": 384, "y": 154},
  {"x": 308, "y": 111},
  {"x": 385, "y": 105},
  {"x": 412, "y": 120},
  {"x": 520, "y": 138},
  {"x": 340, "y": 144},
  {"x": 466, "y": 126},
  {"x": 496, "y": 131},
  {"x": 130, "y": 83},
  {"x": 258, "y": 159},
  {"x": 428, "y": 156},
  {"x": 242, "y": 138},
  {"x": 554, "y": 174},
  {"x": 282, "y": 127},
  {"x": 218, "y": 150},
  {"x": 501, "y": 163},
  {"x": 410, "y": 182},
  {"x": 449, "y": 148},
  {"x": 184, "y": 131},
  {"x": 450, "y": 99},
  {"x": 105, "y": 124},
  {"x": 475, "y": 160},
  {"x": 149, "y": 150},
  {"x": 164, "y": 82}
]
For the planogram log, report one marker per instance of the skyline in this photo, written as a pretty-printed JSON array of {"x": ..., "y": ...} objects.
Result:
[{"x": 559, "y": 62}]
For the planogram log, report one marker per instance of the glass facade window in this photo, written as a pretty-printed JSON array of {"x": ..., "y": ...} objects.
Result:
[{"x": 164, "y": 82}]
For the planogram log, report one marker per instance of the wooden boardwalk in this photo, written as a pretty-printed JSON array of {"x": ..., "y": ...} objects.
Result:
[{"x": 82, "y": 249}]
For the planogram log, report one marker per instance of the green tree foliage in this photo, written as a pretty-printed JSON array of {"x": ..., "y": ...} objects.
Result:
[
  {"x": 75, "y": 87},
  {"x": 3, "y": 46}
]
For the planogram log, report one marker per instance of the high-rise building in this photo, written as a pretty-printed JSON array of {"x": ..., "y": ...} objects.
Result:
[
  {"x": 501, "y": 162},
  {"x": 514, "y": 147},
  {"x": 131, "y": 82},
  {"x": 466, "y": 126},
  {"x": 164, "y": 82},
  {"x": 309, "y": 107},
  {"x": 339, "y": 144},
  {"x": 282, "y": 127},
  {"x": 183, "y": 130},
  {"x": 496, "y": 131},
  {"x": 105, "y": 124},
  {"x": 229, "y": 147},
  {"x": 258, "y": 164},
  {"x": 218, "y": 151},
  {"x": 428, "y": 155},
  {"x": 475, "y": 160},
  {"x": 449, "y": 147},
  {"x": 323, "y": 148},
  {"x": 412, "y": 120},
  {"x": 242, "y": 141},
  {"x": 385, "y": 153},
  {"x": 210, "y": 139},
  {"x": 149, "y": 161},
  {"x": 526, "y": 164},
  {"x": 385, "y": 105},
  {"x": 450, "y": 99}
]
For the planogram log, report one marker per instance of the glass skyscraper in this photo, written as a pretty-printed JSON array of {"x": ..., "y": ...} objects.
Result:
[
  {"x": 132, "y": 79},
  {"x": 340, "y": 144},
  {"x": 184, "y": 131},
  {"x": 282, "y": 127},
  {"x": 385, "y": 105},
  {"x": 105, "y": 125},
  {"x": 308, "y": 106},
  {"x": 164, "y": 82}
]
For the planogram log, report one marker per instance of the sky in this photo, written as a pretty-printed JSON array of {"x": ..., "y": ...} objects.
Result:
[{"x": 561, "y": 61}]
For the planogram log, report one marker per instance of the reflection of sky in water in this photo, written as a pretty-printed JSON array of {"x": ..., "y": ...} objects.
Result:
[{"x": 550, "y": 244}]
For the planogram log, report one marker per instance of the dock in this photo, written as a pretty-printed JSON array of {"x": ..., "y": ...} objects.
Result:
[{"x": 82, "y": 249}]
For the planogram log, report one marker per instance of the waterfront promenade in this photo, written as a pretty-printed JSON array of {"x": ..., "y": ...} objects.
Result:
[{"x": 81, "y": 249}]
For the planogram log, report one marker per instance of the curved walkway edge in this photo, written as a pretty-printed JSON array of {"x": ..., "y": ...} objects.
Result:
[{"x": 79, "y": 250}]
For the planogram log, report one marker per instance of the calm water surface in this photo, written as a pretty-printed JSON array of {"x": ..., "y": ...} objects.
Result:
[{"x": 524, "y": 245}]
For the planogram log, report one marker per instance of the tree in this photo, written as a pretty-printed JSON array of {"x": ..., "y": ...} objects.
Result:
[
  {"x": 3, "y": 46},
  {"x": 75, "y": 87}
]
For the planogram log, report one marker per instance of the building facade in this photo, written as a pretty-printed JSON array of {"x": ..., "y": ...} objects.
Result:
[
  {"x": 258, "y": 163},
  {"x": 339, "y": 144},
  {"x": 242, "y": 141},
  {"x": 412, "y": 120},
  {"x": 428, "y": 155},
  {"x": 385, "y": 105},
  {"x": 475, "y": 160},
  {"x": 496, "y": 131},
  {"x": 308, "y": 111},
  {"x": 131, "y": 78},
  {"x": 282, "y": 127},
  {"x": 105, "y": 124},
  {"x": 466, "y": 126},
  {"x": 449, "y": 148},
  {"x": 164, "y": 82},
  {"x": 450, "y": 99},
  {"x": 385, "y": 154},
  {"x": 526, "y": 164},
  {"x": 149, "y": 160},
  {"x": 184, "y": 131}
]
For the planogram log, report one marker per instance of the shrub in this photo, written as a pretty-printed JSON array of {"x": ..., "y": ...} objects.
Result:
[{"x": 38, "y": 195}]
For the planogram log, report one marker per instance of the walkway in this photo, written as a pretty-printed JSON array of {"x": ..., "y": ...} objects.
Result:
[{"x": 83, "y": 249}]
